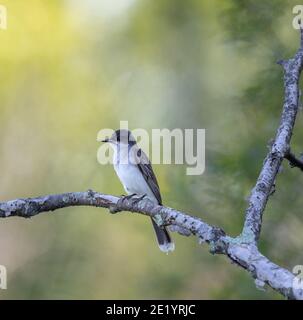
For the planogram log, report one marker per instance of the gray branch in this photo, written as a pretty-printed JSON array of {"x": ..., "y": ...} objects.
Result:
[
  {"x": 294, "y": 161},
  {"x": 241, "y": 250},
  {"x": 279, "y": 148}
]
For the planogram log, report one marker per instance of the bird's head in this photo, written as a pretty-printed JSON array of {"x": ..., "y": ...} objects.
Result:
[{"x": 121, "y": 136}]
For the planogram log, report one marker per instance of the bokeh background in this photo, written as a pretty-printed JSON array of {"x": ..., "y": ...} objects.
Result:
[{"x": 70, "y": 68}]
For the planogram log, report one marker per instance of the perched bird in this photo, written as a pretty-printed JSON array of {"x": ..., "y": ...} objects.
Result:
[{"x": 137, "y": 176}]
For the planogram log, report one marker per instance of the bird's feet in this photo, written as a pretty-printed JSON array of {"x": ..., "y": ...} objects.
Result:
[
  {"x": 136, "y": 200},
  {"x": 133, "y": 198},
  {"x": 128, "y": 197}
]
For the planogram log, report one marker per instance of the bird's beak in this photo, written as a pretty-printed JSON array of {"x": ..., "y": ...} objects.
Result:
[{"x": 103, "y": 140}]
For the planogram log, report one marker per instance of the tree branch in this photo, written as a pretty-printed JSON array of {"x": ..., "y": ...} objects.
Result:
[
  {"x": 294, "y": 161},
  {"x": 279, "y": 149},
  {"x": 237, "y": 250}
]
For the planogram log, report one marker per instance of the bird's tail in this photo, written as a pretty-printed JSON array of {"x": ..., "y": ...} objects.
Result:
[{"x": 164, "y": 240}]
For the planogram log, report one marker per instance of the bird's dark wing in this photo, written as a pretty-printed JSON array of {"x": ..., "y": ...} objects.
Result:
[{"x": 148, "y": 174}]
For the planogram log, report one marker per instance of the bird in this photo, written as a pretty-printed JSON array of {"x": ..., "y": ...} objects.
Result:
[{"x": 136, "y": 174}]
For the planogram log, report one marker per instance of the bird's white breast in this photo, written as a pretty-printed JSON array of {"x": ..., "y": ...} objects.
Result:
[{"x": 130, "y": 175}]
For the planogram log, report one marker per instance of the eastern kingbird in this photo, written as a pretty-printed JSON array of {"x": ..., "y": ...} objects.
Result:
[{"x": 137, "y": 176}]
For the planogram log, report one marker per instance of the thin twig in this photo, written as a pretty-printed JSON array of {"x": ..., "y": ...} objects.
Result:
[{"x": 294, "y": 161}]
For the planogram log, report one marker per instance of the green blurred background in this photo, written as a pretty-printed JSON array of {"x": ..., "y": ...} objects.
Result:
[{"x": 71, "y": 68}]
